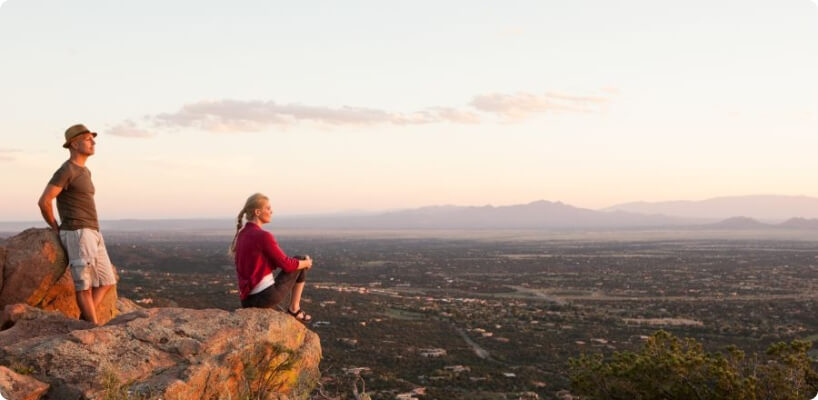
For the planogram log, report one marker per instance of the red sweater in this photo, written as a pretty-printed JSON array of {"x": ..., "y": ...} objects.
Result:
[{"x": 258, "y": 254}]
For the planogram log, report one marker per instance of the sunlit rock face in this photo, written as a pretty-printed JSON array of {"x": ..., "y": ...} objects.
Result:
[
  {"x": 168, "y": 353},
  {"x": 20, "y": 387},
  {"x": 34, "y": 272}
]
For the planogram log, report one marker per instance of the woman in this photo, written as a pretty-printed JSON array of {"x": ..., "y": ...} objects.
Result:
[{"x": 257, "y": 255}]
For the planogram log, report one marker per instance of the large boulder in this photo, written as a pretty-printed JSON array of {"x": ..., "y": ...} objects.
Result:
[
  {"x": 33, "y": 323},
  {"x": 2, "y": 263},
  {"x": 168, "y": 353},
  {"x": 20, "y": 387},
  {"x": 125, "y": 305},
  {"x": 34, "y": 272}
]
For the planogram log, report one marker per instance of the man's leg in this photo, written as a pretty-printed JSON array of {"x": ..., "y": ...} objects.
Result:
[
  {"x": 78, "y": 262},
  {"x": 98, "y": 293},
  {"x": 104, "y": 270},
  {"x": 85, "y": 301}
]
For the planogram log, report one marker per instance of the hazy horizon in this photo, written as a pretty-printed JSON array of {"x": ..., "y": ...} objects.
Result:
[
  {"x": 769, "y": 210},
  {"x": 370, "y": 106},
  {"x": 366, "y": 212}
]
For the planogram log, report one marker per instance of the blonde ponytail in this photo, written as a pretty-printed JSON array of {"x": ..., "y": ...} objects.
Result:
[
  {"x": 253, "y": 202},
  {"x": 239, "y": 224}
]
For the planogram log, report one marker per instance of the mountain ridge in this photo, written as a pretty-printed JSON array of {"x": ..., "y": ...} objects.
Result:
[
  {"x": 795, "y": 212},
  {"x": 767, "y": 208}
]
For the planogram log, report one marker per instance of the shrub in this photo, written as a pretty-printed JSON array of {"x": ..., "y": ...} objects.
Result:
[
  {"x": 267, "y": 369},
  {"x": 669, "y": 368}
]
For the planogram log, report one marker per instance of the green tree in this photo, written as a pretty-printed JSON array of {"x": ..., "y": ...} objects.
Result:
[{"x": 669, "y": 368}]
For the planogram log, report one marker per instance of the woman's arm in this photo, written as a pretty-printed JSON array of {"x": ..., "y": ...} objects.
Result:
[
  {"x": 304, "y": 262},
  {"x": 277, "y": 257}
]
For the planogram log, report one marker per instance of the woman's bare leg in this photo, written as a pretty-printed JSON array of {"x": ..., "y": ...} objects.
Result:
[{"x": 295, "y": 297}]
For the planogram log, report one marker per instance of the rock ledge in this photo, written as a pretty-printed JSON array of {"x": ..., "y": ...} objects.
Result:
[{"x": 168, "y": 353}]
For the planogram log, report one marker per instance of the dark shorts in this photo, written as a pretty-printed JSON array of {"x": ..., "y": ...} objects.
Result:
[{"x": 273, "y": 295}]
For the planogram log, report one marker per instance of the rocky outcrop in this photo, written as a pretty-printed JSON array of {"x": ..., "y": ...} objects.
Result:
[
  {"x": 20, "y": 387},
  {"x": 2, "y": 263},
  {"x": 125, "y": 305},
  {"x": 168, "y": 353},
  {"x": 34, "y": 272}
]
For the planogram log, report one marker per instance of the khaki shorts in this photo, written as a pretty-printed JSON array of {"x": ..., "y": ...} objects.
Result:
[{"x": 88, "y": 259}]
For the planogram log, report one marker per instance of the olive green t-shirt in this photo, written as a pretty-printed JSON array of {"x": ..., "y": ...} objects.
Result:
[{"x": 75, "y": 202}]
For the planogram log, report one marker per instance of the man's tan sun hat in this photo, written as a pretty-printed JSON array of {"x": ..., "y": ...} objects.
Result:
[{"x": 74, "y": 131}]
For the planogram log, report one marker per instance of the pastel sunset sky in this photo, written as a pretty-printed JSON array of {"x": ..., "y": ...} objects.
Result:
[{"x": 332, "y": 106}]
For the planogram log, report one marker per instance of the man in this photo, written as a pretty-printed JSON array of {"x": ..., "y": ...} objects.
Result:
[{"x": 88, "y": 259}]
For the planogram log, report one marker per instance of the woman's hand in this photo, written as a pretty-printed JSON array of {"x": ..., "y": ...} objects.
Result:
[{"x": 304, "y": 262}]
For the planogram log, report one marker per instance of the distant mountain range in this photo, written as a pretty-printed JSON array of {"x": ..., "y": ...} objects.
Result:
[
  {"x": 744, "y": 223},
  {"x": 724, "y": 213},
  {"x": 740, "y": 212},
  {"x": 772, "y": 209},
  {"x": 537, "y": 215}
]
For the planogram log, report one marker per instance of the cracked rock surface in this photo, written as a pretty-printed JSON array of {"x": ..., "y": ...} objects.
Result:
[{"x": 168, "y": 353}]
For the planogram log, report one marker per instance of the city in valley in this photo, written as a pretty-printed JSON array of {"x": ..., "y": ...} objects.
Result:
[{"x": 497, "y": 315}]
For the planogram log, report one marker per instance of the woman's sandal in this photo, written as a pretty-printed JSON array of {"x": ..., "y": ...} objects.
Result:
[{"x": 300, "y": 315}]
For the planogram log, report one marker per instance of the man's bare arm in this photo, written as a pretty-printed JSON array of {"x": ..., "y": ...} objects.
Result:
[{"x": 46, "y": 205}]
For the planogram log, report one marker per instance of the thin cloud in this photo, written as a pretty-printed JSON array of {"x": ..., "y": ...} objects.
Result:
[
  {"x": 129, "y": 129},
  {"x": 457, "y": 116},
  {"x": 8, "y": 154},
  {"x": 230, "y": 116},
  {"x": 521, "y": 105},
  {"x": 250, "y": 116}
]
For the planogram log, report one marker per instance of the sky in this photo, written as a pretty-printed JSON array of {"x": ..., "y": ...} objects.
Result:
[{"x": 330, "y": 106}]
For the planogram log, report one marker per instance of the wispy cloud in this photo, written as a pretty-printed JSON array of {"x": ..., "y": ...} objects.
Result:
[
  {"x": 129, "y": 128},
  {"x": 521, "y": 105},
  {"x": 228, "y": 116},
  {"x": 236, "y": 115},
  {"x": 8, "y": 154}
]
